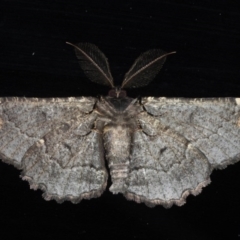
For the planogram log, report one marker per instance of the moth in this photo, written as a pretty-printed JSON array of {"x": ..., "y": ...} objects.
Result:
[{"x": 158, "y": 150}]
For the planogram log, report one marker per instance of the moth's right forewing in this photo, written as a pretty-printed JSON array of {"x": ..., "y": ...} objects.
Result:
[
  {"x": 212, "y": 125},
  {"x": 181, "y": 141}
]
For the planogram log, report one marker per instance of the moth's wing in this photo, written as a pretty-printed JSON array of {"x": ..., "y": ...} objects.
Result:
[
  {"x": 211, "y": 125},
  {"x": 181, "y": 142},
  {"x": 52, "y": 141}
]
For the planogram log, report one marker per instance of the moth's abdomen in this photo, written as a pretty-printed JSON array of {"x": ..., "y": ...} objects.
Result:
[{"x": 117, "y": 142}]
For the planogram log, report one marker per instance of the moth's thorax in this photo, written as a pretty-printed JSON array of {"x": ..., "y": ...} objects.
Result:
[
  {"x": 118, "y": 110},
  {"x": 119, "y": 104},
  {"x": 118, "y": 115}
]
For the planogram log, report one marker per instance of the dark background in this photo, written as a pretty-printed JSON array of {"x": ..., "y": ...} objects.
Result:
[{"x": 36, "y": 62}]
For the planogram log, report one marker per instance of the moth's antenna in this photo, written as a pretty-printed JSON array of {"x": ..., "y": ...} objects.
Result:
[
  {"x": 94, "y": 63},
  {"x": 145, "y": 68}
]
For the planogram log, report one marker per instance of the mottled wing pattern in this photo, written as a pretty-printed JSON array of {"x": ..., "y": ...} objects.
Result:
[
  {"x": 181, "y": 141},
  {"x": 52, "y": 141}
]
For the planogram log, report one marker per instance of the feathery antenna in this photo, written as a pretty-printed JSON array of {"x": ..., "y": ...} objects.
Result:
[{"x": 94, "y": 63}]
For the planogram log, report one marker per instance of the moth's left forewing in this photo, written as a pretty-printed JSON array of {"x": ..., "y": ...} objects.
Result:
[
  {"x": 181, "y": 141},
  {"x": 52, "y": 141}
]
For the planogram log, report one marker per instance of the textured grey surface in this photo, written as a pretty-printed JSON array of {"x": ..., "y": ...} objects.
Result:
[
  {"x": 159, "y": 150},
  {"x": 181, "y": 142},
  {"x": 52, "y": 141}
]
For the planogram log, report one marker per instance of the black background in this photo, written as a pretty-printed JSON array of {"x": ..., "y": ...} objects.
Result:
[{"x": 36, "y": 62}]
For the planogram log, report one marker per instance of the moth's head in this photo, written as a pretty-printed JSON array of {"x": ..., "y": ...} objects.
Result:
[{"x": 117, "y": 92}]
